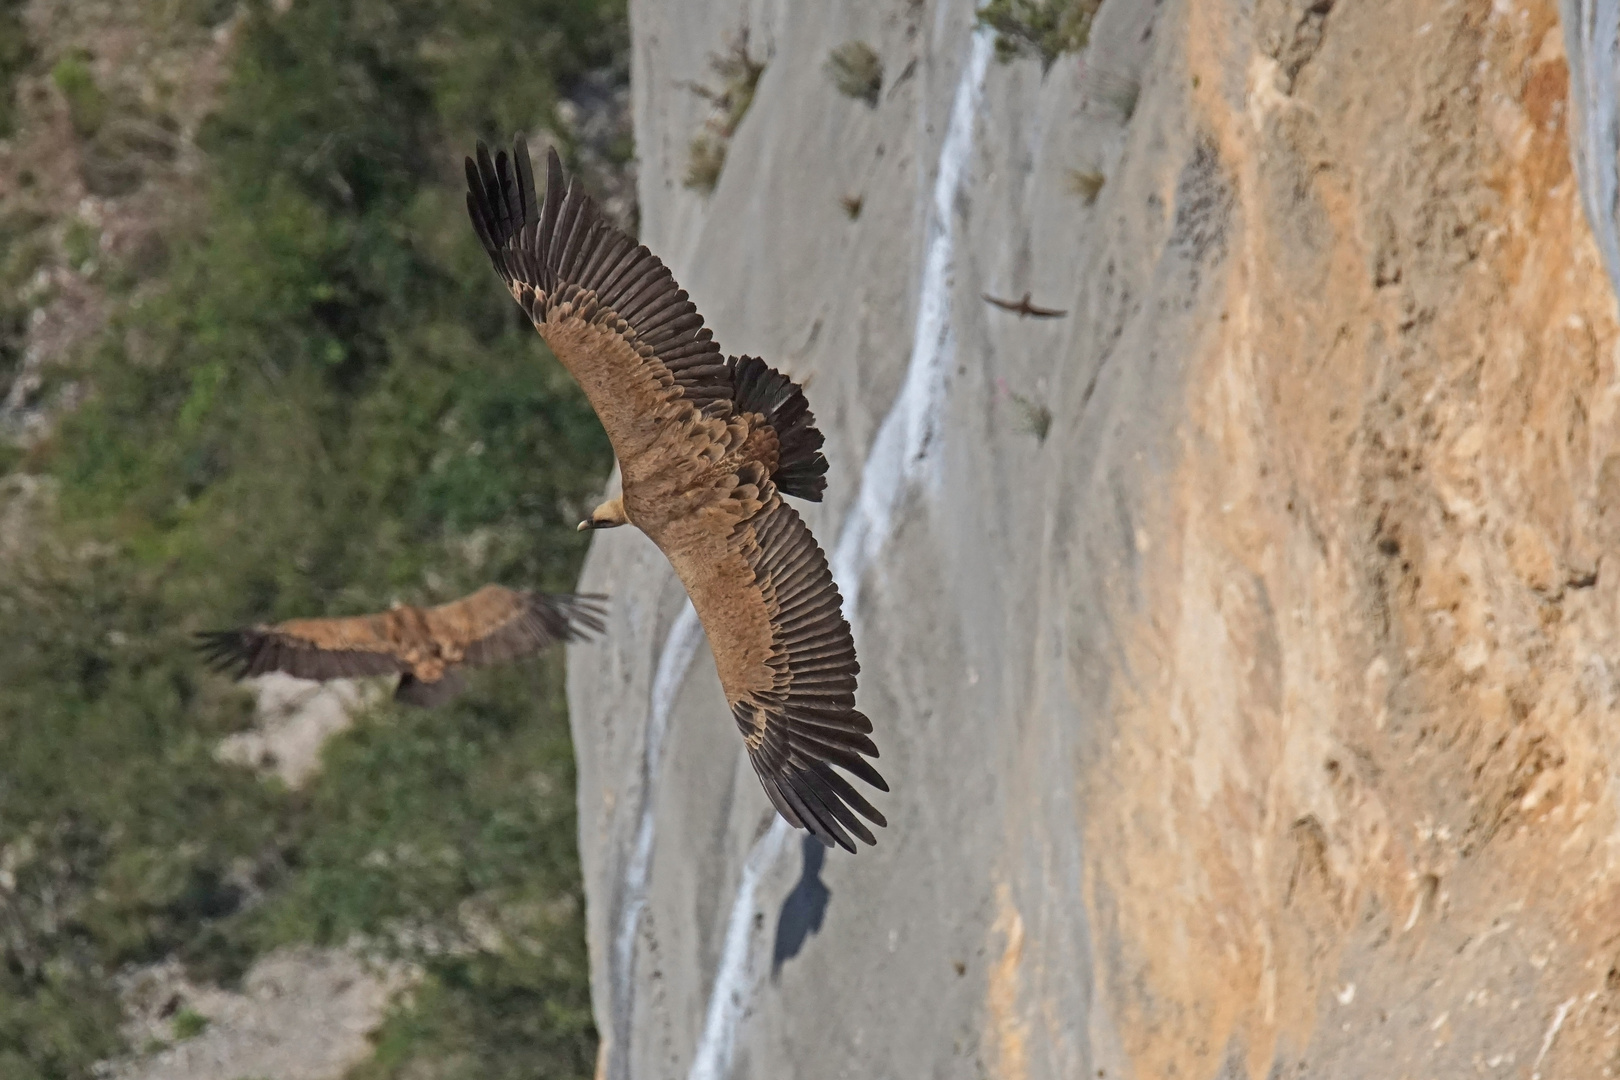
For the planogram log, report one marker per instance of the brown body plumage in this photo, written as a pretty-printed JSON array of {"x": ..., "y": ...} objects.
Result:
[
  {"x": 426, "y": 647},
  {"x": 707, "y": 447}
]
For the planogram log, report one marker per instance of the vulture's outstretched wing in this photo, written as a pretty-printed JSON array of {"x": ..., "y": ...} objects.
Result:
[
  {"x": 609, "y": 309},
  {"x": 496, "y": 624},
  {"x": 306, "y": 648},
  {"x": 613, "y": 314},
  {"x": 787, "y": 663}
]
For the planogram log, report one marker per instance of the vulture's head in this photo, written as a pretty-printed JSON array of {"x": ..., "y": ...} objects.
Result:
[{"x": 606, "y": 516}]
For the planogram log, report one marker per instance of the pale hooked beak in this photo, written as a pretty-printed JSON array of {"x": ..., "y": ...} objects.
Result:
[{"x": 586, "y": 525}]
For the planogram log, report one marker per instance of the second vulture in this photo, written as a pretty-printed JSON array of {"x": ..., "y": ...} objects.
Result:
[
  {"x": 426, "y": 647},
  {"x": 707, "y": 447}
]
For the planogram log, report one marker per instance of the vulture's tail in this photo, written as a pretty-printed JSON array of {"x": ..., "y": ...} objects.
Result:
[
  {"x": 428, "y": 695},
  {"x": 758, "y": 387}
]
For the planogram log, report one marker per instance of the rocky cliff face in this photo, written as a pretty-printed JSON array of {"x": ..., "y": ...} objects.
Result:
[{"x": 1241, "y": 646}]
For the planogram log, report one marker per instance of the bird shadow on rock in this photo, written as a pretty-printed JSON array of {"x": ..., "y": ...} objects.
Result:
[{"x": 803, "y": 908}]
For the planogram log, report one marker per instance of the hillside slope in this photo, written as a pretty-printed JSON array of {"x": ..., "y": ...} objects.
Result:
[
  {"x": 254, "y": 364},
  {"x": 1239, "y": 646}
]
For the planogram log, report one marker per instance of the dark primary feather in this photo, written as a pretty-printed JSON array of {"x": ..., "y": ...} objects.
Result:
[
  {"x": 258, "y": 650},
  {"x": 758, "y": 387},
  {"x": 542, "y": 619},
  {"x": 564, "y": 244},
  {"x": 807, "y": 723}
]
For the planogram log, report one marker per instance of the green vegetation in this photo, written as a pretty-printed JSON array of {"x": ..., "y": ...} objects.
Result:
[
  {"x": 458, "y": 829},
  {"x": 1041, "y": 28},
  {"x": 188, "y": 1024},
  {"x": 23, "y": 248},
  {"x": 80, "y": 242},
  {"x": 705, "y": 160},
  {"x": 1034, "y": 417},
  {"x": 738, "y": 74},
  {"x": 323, "y": 402},
  {"x": 857, "y": 71},
  {"x": 86, "y": 102},
  {"x": 16, "y": 53}
]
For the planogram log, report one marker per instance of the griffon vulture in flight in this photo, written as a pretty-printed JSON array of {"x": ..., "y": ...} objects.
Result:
[
  {"x": 707, "y": 446},
  {"x": 1023, "y": 308},
  {"x": 426, "y": 647}
]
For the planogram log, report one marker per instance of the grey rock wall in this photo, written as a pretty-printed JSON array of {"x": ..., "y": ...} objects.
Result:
[{"x": 1235, "y": 644}]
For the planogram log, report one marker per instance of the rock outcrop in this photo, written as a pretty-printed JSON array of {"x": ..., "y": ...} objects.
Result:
[{"x": 1242, "y": 646}]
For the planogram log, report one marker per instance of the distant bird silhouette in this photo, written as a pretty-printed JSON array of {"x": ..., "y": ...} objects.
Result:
[
  {"x": 707, "y": 447},
  {"x": 426, "y": 647},
  {"x": 802, "y": 910},
  {"x": 1023, "y": 308}
]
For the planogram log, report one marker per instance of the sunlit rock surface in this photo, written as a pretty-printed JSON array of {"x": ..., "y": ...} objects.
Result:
[{"x": 1260, "y": 718}]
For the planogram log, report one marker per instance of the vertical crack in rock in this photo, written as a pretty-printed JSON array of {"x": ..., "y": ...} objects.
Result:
[
  {"x": 1308, "y": 21},
  {"x": 895, "y": 463}
]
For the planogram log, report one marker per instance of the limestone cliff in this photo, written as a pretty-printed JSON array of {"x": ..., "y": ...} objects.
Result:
[{"x": 1241, "y": 646}]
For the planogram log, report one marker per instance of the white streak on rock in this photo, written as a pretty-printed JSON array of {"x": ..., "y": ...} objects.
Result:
[
  {"x": 894, "y": 465},
  {"x": 680, "y": 646},
  {"x": 1592, "y": 45},
  {"x": 1552, "y": 1033}
]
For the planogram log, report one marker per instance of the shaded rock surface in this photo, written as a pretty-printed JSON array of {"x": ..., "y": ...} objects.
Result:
[{"x": 1256, "y": 721}]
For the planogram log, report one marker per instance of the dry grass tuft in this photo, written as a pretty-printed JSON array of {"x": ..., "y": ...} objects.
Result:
[
  {"x": 1086, "y": 183},
  {"x": 1119, "y": 92},
  {"x": 857, "y": 71},
  {"x": 738, "y": 74},
  {"x": 1034, "y": 416}
]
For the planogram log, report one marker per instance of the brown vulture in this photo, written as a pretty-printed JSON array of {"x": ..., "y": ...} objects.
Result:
[
  {"x": 1023, "y": 308},
  {"x": 426, "y": 647},
  {"x": 707, "y": 447}
]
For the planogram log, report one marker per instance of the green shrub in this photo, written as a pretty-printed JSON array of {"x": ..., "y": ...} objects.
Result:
[
  {"x": 322, "y": 401},
  {"x": 16, "y": 54},
  {"x": 188, "y": 1024},
  {"x": 1045, "y": 29},
  {"x": 705, "y": 160},
  {"x": 86, "y": 102}
]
